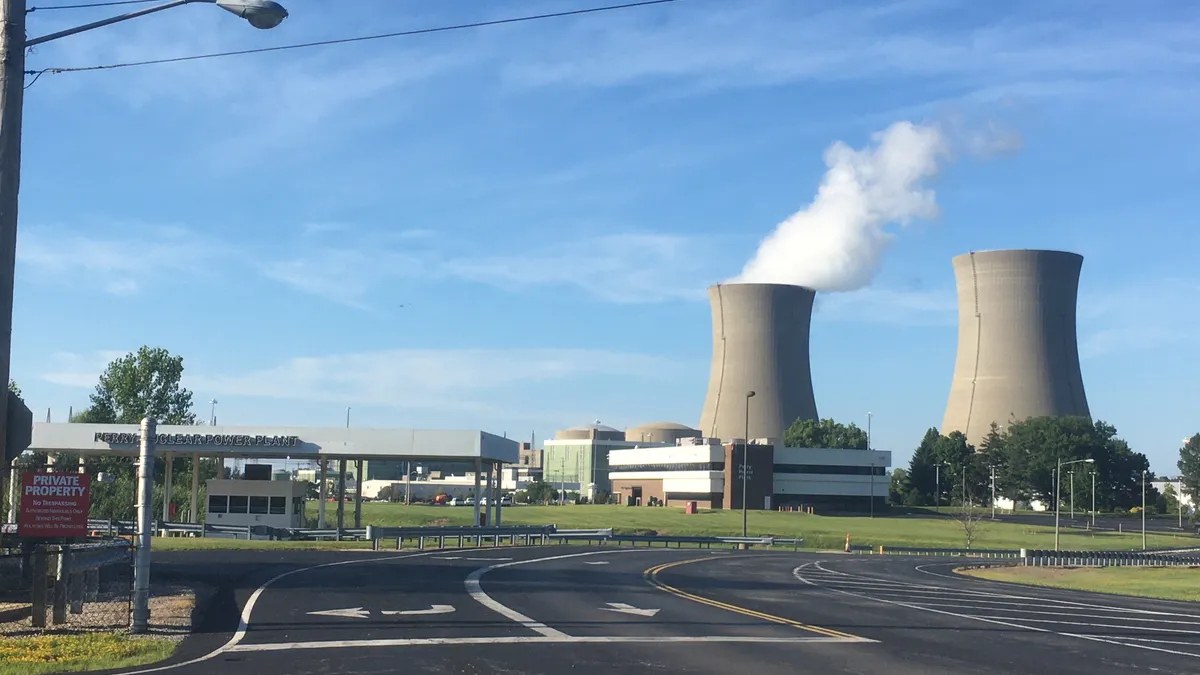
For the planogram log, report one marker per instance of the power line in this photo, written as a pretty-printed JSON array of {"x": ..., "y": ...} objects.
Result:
[
  {"x": 112, "y": 3},
  {"x": 364, "y": 38}
]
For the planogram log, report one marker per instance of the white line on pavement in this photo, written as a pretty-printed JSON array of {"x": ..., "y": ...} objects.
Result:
[
  {"x": 475, "y": 590},
  {"x": 565, "y": 639}
]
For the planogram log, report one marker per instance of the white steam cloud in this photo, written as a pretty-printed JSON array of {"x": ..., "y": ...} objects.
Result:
[{"x": 836, "y": 243}]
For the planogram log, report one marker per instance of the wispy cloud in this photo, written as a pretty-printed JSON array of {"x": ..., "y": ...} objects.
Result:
[
  {"x": 118, "y": 266},
  {"x": 469, "y": 380},
  {"x": 1143, "y": 314},
  {"x": 888, "y": 306}
]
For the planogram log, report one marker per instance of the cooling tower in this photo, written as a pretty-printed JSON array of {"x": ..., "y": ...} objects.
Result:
[
  {"x": 1017, "y": 350},
  {"x": 760, "y": 344}
]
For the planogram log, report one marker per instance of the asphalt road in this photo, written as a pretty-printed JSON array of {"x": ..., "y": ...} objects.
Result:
[{"x": 558, "y": 609}]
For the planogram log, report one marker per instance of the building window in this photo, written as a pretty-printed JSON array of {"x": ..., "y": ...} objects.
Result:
[
  {"x": 685, "y": 466},
  {"x": 278, "y": 506},
  {"x": 259, "y": 505},
  {"x": 830, "y": 470},
  {"x": 238, "y": 504},
  {"x": 218, "y": 504}
]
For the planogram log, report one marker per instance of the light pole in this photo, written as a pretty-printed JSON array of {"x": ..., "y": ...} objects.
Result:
[
  {"x": 13, "y": 46},
  {"x": 212, "y": 417},
  {"x": 937, "y": 491},
  {"x": 993, "y": 468},
  {"x": 964, "y": 497},
  {"x": 1143, "y": 509},
  {"x": 1093, "y": 500},
  {"x": 1071, "y": 483},
  {"x": 746, "y": 460},
  {"x": 1058, "y": 491}
]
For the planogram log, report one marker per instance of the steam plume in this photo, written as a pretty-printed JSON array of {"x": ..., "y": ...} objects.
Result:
[{"x": 837, "y": 241}]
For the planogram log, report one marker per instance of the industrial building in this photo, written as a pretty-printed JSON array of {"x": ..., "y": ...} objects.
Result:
[
  {"x": 576, "y": 459},
  {"x": 1017, "y": 355},
  {"x": 760, "y": 344},
  {"x": 708, "y": 472}
]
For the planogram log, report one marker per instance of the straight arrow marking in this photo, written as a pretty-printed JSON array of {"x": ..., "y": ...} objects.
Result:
[
  {"x": 596, "y": 562},
  {"x": 350, "y": 613},
  {"x": 628, "y": 609},
  {"x": 433, "y": 609}
]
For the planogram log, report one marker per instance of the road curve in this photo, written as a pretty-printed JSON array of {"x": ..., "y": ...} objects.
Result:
[{"x": 550, "y": 609}]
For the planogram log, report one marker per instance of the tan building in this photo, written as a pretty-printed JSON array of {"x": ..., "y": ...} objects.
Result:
[{"x": 708, "y": 472}]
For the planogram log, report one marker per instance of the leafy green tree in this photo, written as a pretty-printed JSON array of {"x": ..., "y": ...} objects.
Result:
[
  {"x": 922, "y": 470},
  {"x": 898, "y": 486},
  {"x": 825, "y": 433},
  {"x": 1189, "y": 467},
  {"x": 540, "y": 492},
  {"x": 953, "y": 453},
  {"x": 12, "y": 386},
  {"x": 141, "y": 383}
]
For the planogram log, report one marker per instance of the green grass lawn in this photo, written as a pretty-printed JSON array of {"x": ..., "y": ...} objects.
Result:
[
  {"x": 818, "y": 531},
  {"x": 215, "y": 543},
  {"x": 88, "y": 651},
  {"x": 1168, "y": 583}
]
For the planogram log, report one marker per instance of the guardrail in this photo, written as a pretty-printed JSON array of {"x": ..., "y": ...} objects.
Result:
[
  {"x": 528, "y": 535},
  {"x": 1037, "y": 558},
  {"x": 960, "y": 552}
]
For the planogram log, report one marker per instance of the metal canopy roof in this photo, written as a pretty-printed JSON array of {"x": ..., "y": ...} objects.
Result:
[{"x": 279, "y": 442}]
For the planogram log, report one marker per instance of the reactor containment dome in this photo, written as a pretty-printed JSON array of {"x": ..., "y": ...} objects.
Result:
[
  {"x": 760, "y": 345},
  {"x": 1018, "y": 354}
]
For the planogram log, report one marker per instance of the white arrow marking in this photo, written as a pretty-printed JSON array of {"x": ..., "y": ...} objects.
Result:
[
  {"x": 628, "y": 609},
  {"x": 353, "y": 613},
  {"x": 433, "y": 609},
  {"x": 597, "y": 562}
]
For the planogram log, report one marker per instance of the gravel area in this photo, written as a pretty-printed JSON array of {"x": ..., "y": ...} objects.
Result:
[{"x": 172, "y": 610}]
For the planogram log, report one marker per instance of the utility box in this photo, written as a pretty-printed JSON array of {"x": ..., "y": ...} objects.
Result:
[{"x": 689, "y": 507}]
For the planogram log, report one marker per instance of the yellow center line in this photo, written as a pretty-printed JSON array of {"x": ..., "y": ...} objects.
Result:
[{"x": 651, "y": 577}]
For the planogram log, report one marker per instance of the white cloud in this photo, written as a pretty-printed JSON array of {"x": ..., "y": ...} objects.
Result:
[
  {"x": 120, "y": 266},
  {"x": 481, "y": 381},
  {"x": 1144, "y": 314},
  {"x": 889, "y": 306},
  {"x": 775, "y": 42}
]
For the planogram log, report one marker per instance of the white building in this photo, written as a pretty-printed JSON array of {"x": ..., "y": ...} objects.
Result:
[
  {"x": 274, "y": 503},
  {"x": 709, "y": 473}
]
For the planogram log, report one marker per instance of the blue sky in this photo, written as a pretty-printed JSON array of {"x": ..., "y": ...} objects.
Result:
[{"x": 511, "y": 228}]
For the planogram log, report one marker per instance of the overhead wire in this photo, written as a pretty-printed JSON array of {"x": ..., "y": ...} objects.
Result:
[
  {"x": 362, "y": 38},
  {"x": 89, "y": 5}
]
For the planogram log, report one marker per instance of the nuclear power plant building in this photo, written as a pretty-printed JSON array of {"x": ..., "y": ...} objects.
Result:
[
  {"x": 760, "y": 344},
  {"x": 1018, "y": 354}
]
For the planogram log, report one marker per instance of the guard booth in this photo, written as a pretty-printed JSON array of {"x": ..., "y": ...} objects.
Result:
[{"x": 274, "y": 503}]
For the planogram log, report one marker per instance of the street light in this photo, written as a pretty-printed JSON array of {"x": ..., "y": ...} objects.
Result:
[
  {"x": 13, "y": 46},
  {"x": 1093, "y": 499},
  {"x": 993, "y": 468},
  {"x": 1071, "y": 482},
  {"x": 1058, "y": 491},
  {"x": 937, "y": 492},
  {"x": 1143, "y": 509},
  {"x": 871, "y": 467},
  {"x": 746, "y": 459}
]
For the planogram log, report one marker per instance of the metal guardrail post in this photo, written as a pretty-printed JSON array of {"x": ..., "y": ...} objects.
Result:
[
  {"x": 61, "y": 562},
  {"x": 37, "y": 616}
]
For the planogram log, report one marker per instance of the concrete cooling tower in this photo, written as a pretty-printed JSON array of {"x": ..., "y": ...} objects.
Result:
[
  {"x": 760, "y": 344},
  {"x": 1017, "y": 350}
]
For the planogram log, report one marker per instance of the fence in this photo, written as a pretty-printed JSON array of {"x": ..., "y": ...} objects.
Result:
[{"x": 81, "y": 586}]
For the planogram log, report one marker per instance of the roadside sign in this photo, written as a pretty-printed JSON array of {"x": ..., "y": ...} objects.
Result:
[{"x": 53, "y": 504}]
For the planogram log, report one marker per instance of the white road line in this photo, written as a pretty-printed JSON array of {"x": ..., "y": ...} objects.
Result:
[
  {"x": 475, "y": 590},
  {"x": 1156, "y": 629},
  {"x": 244, "y": 620},
  {"x": 797, "y": 573},
  {"x": 487, "y": 559},
  {"x": 1071, "y": 614},
  {"x": 566, "y": 639}
]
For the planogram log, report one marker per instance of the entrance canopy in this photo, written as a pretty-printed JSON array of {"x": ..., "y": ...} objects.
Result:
[{"x": 279, "y": 442}]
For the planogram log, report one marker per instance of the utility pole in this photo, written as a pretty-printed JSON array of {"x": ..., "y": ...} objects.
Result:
[
  {"x": 145, "y": 515},
  {"x": 746, "y": 460},
  {"x": 12, "y": 91}
]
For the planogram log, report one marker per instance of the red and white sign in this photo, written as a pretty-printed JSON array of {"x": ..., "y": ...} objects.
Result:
[{"x": 53, "y": 505}]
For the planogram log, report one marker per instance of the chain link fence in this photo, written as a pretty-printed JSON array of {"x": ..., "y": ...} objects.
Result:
[{"x": 75, "y": 588}]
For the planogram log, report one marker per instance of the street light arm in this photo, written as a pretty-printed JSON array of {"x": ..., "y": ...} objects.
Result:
[{"x": 111, "y": 20}]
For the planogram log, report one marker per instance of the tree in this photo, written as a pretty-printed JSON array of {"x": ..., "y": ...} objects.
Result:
[
  {"x": 12, "y": 386},
  {"x": 898, "y": 487},
  {"x": 953, "y": 453},
  {"x": 824, "y": 434},
  {"x": 1189, "y": 467},
  {"x": 140, "y": 384},
  {"x": 540, "y": 491},
  {"x": 971, "y": 520},
  {"x": 1168, "y": 501},
  {"x": 922, "y": 470}
]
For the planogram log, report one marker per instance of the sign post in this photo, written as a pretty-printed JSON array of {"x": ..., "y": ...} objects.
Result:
[
  {"x": 141, "y": 561},
  {"x": 53, "y": 505}
]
